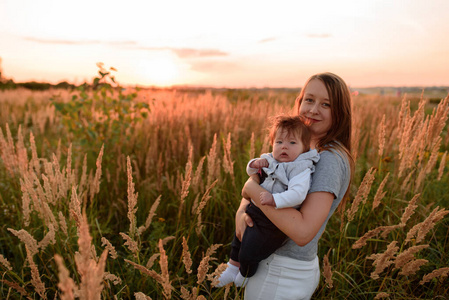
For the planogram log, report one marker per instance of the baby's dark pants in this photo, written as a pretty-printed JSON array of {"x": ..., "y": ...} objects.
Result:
[{"x": 258, "y": 242}]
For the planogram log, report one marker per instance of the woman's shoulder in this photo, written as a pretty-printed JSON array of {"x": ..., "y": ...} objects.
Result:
[
  {"x": 333, "y": 154},
  {"x": 332, "y": 172}
]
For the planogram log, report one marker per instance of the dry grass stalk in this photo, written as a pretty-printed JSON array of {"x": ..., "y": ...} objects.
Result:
[
  {"x": 252, "y": 147},
  {"x": 159, "y": 171},
  {"x": 62, "y": 223},
  {"x": 151, "y": 260},
  {"x": 26, "y": 238},
  {"x": 204, "y": 266},
  {"x": 141, "y": 296},
  {"x": 75, "y": 207},
  {"x": 382, "y": 295},
  {"x": 90, "y": 271},
  {"x": 49, "y": 238},
  {"x": 150, "y": 216},
  {"x": 195, "y": 204},
  {"x": 442, "y": 165},
  {"x": 385, "y": 230},
  {"x": 60, "y": 184},
  {"x": 380, "y": 194},
  {"x": 95, "y": 183},
  {"x": 48, "y": 194},
  {"x": 69, "y": 174},
  {"x": 405, "y": 187},
  {"x": 111, "y": 249},
  {"x": 355, "y": 135},
  {"x": 26, "y": 202},
  {"x": 187, "y": 295},
  {"x": 409, "y": 210},
  {"x": 165, "y": 276},
  {"x": 130, "y": 243},
  {"x": 327, "y": 272},
  {"x": 58, "y": 151},
  {"x": 197, "y": 181},
  {"x": 83, "y": 180},
  {"x": 413, "y": 133},
  {"x": 34, "y": 162},
  {"x": 167, "y": 239},
  {"x": 5, "y": 263},
  {"x": 201, "y": 205},
  {"x": 418, "y": 147},
  {"x": 438, "y": 120},
  {"x": 433, "y": 155},
  {"x": 213, "y": 162},
  {"x": 151, "y": 273},
  {"x": 226, "y": 293},
  {"x": 14, "y": 157},
  {"x": 362, "y": 193},
  {"x": 408, "y": 255},
  {"x": 383, "y": 260},
  {"x": 420, "y": 230},
  {"x": 382, "y": 137},
  {"x": 412, "y": 267},
  {"x": 228, "y": 164},
  {"x": 132, "y": 200},
  {"x": 7, "y": 149},
  {"x": 21, "y": 153},
  {"x": 186, "y": 181},
  {"x": 205, "y": 197},
  {"x": 430, "y": 164},
  {"x": 404, "y": 112},
  {"x": 35, "y": 198},
  {"x": 441, "y": 272},
  {"x": 17, "y": 287},
  {"x": 36, "y": 281},
  {"x": 186, "y": 257},
  {"x": 113, "y": 278},
  {"x": 66, "y": 284}
]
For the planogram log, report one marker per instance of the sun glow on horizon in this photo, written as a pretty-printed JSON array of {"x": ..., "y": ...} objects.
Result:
[{"x": 160, "y": 70}]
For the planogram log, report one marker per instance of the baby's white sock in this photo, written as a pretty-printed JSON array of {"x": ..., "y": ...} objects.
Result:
[
  {"x": 240, "y": 281},
  {"x": 228, "y": 275}
]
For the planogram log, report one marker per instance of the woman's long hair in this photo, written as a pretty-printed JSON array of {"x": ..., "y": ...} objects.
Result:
[{"x": 339, "y": 135}]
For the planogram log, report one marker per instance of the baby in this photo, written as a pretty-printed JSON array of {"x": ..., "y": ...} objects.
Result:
[{"x": 286, "y": 175}]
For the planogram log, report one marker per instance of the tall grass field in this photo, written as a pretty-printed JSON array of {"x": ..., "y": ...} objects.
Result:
[{"x": 111, "y": 193}]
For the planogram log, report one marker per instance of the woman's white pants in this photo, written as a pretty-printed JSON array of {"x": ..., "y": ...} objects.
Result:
[{"x": 279, "y": 277}]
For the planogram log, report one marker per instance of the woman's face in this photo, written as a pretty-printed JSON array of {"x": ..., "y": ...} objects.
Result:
[{"x": 316, "y": 109}]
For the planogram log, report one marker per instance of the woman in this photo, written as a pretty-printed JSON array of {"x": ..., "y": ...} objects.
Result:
[{"x": 292, "y": 272}]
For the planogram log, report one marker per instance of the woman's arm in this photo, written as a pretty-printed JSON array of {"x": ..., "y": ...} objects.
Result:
[
  {"x": 300, "y": 226},
  {"x": 242, "y": 219}
]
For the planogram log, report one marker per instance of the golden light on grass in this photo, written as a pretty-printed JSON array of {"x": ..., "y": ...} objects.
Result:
[{"x": 159, "y": 204}]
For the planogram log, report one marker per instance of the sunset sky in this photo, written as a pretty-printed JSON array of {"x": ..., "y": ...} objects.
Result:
[{"x": 227, "y": 43}]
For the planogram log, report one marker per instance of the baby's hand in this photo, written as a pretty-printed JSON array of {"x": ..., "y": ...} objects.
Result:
[
  {"x": 266, "y": 198},
  {"x": 259, "y": 163}
]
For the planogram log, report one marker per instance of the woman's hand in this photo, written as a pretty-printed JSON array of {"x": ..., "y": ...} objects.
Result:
[
  {"x": 299, "y": 225},
  {"x": 242, "y": 220}
]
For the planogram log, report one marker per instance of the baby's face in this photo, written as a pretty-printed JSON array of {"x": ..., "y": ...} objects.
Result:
[{"x": 286, "y": 147}]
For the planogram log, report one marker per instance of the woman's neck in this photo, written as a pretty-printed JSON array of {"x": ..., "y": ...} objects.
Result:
[{"x": 314, "y": 143}]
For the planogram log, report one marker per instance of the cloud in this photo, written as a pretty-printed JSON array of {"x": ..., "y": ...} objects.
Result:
[
  {"x": 180, "y": 52},
  {"x": 319, "y": 36},
  {"x": 80, "y": 42},
  {"x": 188, "y": 52},
  {"x": 270, "y": 39},
  {"x": 214, "y": 66}
]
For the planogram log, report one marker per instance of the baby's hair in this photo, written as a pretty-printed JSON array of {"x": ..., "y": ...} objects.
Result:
[{"x": 294, "y": 125}]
